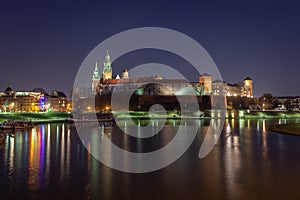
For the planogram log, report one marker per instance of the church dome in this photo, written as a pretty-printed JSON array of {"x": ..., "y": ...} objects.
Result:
[
  {"x": 158, "y": 77},
  {"x": 9, "y": 91}
]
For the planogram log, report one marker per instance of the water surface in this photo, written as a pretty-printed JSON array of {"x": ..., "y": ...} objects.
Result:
[{"x": 248, "y": 162}]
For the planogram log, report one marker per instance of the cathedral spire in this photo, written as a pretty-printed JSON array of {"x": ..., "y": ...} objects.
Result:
[
  {"x": 107, "y": 70},
  {"x": 107, "y": 63},
  {"x": 96, "y": 73},
  {"x": 96, "y": 79}
]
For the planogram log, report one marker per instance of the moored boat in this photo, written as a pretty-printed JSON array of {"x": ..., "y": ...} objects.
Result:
[
  {"x": 16, "y": 124},
  {"x": 21, "y": 124},
  {"x": 7, "y": 124}
]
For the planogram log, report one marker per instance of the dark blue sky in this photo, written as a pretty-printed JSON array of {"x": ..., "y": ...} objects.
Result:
[{"x": 43, "y": 44}]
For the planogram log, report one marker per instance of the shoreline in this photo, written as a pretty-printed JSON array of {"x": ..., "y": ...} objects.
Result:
[
  {"x": 50, "y": 121},
  {"x": 36, "y": 118},
  {"x": 57, "y": 117},
  {"x": 289, "y": 129},
  {"x": 207, "y": 114}
]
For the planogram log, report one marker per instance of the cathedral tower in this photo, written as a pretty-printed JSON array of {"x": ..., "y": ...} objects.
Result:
[
  {"x": 107, "y": 70},
  {"x": 95, "y": 80}
]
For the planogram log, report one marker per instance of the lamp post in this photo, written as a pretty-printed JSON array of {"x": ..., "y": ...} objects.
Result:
[{"x": 47, "y": 106}]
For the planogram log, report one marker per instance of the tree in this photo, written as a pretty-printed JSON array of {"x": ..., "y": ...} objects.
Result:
[
  {"x": 289, "y": 104},
  {"x": 267, "y": 96}
]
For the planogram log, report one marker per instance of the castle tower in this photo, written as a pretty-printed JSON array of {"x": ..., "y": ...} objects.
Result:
[
  {"x": 248, "y": 87},
  {"x": 95, "y": 80},
  {"x": 107, "y": 70},
  {"x": 125, "y": 74},
  {"x": 206, "y": 81}
]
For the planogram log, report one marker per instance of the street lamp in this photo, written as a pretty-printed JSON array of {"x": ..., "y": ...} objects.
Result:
[{"x": 47, "y": 106}]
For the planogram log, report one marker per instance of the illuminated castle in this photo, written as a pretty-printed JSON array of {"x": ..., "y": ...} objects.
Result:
[{"x": 159, "y": 86}]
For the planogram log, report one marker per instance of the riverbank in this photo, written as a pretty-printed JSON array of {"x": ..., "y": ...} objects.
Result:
[
  {"x": 229, "y": 114},
  {"x": 291, "y": 129},
  {"x": 207, "y": 114},
  {"x": 36, "y": 117},
  {"x": 271, "y": 114}
]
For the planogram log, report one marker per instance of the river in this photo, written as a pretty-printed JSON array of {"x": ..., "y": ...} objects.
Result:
[{"x": 248, "y": 162}]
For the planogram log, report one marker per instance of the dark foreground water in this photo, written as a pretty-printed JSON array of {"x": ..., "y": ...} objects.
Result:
[{"x": 248, "y": 162}]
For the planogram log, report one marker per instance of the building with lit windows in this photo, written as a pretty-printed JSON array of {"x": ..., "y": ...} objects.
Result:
[
  {"x": 233, "y": 90},
  {"x": 33, "y": 101},
  {"x": 248, "y": 87},
  {"x": 205, "y": 81}
]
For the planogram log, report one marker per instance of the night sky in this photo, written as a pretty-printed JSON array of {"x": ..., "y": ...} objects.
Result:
[{"x": 43, "y": 44}]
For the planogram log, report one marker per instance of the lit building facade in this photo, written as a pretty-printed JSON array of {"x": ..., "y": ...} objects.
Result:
[
  {"x": 23, "y": 101},
  {"x": 248, "y": 87},
  {"x": 205, "y": 81},
  {"x": 235, "y": 90},
  {"x": 219, "y": 88}
]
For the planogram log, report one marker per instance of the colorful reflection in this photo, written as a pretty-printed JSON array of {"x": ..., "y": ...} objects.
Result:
[
  {"x": 50, "y": 159},
  {"x": 31, "y": 154}
]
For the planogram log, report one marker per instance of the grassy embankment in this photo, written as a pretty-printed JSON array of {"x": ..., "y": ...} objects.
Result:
[
  {"x": 58, "y": 116},
  {"x": 36, "y": 117},
  {"x": 207, "y": 114},
  {"x": 271, "y": 114},
  {"x": 291, "y": 129},
  {"x": 146, "y": 115}
]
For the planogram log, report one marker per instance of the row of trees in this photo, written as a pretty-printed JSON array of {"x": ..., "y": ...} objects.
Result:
[{"x": 281, "y": 103}]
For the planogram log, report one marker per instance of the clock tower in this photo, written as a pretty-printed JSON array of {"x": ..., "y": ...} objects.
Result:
[{"x": 107, "y": 70}]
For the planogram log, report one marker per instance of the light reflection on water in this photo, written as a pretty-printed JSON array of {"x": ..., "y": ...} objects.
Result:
[{"x": 249, "y": 161}]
